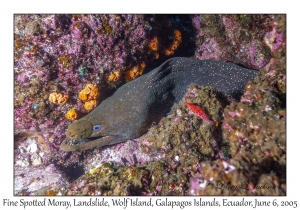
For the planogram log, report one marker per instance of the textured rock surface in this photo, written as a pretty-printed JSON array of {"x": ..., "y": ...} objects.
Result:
[{"x": 63, "y": 53}]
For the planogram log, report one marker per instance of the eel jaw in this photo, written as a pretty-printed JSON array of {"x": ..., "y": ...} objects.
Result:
[
  {"x": 70, "y": 145},
  {"x": 81, "y": 144}
]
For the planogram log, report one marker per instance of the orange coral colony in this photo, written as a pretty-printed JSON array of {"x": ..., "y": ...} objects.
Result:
[
  {"x": 71, "y": 114},
  {"x": 114, "y": 76},
  {"x": 177, "y": 35},
  {"x": 153, "y": 46},
  {"x": 65, "y": 61},
  {"x": 89, "y": 105},
  {"x": 176, "y": 42},
  {"x": 90, "y": 92},
  {"x": 135, "y": 72},
  {"x": 156, "y": 55},
  {"x": 169, "y": 52},
  {"x": 58, "y": 98}
]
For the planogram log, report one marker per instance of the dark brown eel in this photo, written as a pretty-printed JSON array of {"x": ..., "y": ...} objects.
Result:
[{"x": 136, "y": 105}]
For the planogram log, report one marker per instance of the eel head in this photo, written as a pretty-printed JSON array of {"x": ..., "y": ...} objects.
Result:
[
  {"x": 80, "y": 130},
  {"x": 84, "y": 135}
]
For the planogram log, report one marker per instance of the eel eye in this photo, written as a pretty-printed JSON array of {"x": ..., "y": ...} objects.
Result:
[{"x": 96, "y": 128}]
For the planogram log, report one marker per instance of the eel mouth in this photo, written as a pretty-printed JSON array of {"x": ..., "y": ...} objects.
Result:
[
  {"x": 73, "y": 142},
  {"x": 70, "y": 145}
]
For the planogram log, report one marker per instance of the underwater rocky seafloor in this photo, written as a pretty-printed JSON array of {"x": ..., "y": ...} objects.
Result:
[{"x": 182, "y": 154}]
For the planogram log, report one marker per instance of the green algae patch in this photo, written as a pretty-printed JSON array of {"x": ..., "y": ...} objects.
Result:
[{"x": 102, "y": 170}]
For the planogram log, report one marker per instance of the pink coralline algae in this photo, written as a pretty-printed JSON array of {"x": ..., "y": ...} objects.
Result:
[
  {"x": 235, "y": 38},
  {"x": 274, "y": 39},
  {"x": 234, "y": 113},
  {"x": 38, "y": 180},
  {"x": 181, "y": 155},
  {"x": 69, "y": 51},
  {"x": 128, "y": 153},
  {"x": 257, "y": 137},
  {"x": 63, "y": 53},
  {"x": 196, "y": 185}
]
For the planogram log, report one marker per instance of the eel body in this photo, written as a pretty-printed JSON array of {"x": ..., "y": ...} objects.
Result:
[{"x": 136, "y": 105}]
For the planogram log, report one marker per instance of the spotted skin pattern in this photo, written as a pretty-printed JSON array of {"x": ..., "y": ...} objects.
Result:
[{"x": 136, "y": 105}]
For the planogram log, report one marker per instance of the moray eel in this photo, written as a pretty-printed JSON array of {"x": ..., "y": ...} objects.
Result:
[{"x": 136, "y": 105}]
